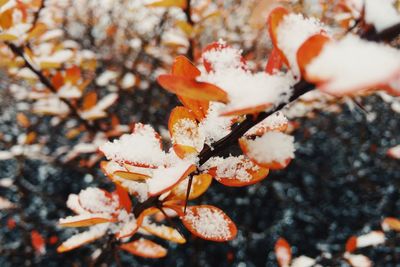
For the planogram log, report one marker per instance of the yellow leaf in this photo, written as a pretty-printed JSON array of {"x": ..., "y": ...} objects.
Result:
[
  {"x": 185, "y": 27},
  {"x": 169, "y": 3}
]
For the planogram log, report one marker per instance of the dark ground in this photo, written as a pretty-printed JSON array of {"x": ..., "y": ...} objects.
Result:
[{"x": 340, "y": 184}]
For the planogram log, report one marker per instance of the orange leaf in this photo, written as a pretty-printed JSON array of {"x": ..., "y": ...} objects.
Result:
[
  {"x": 169, "y": 3},
  {"x": 144, "y": 248},
  {"x": 283, "y": 252},
  {"x": 351, "y": 244},
  {"x": 190, "y": 88},
  {"x": 275, "y": 17},
  {"x": 6, "y": 19},
  {"x": 77, "y": 221},
  {"x": 38, "y": 242},
  {"x": 184, "y": 67},
  {"x": 391, "y": 223},
  {"x": 309, "y": 50},
  {"x": 183, "y": 151},
  {"x": 57, "y": 80},
  {"x": 165, "y": 232},
  {"x": 274, "y": 62},
  {"x": 89, "y": 100},
  {"x": 210, "y": 223},
  {"x": 256, "y": 173},
  {"x": 131, "y": 175},
  {"x": 23, "y": 120},
  {"x": 199, "y": 108},
  {"x": 73, "y": 74},
  {"x": 124, "y": 198},
  {"x": 200, "y": 184}
]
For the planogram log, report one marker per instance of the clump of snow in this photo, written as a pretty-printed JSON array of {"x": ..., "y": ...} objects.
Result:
[
  {"x": 373, "y": 238},
  {"x": 214, "y": 126},
  {"x": 272, "y": 146},
  {"x": 303, "y": 261},
  {"x": 394, "y": 152},
  {"x": 140, "y": 147},
  {"x": 95, "y": 200},
  {"x": 244, "y": 89},
  {"x": 382, "y": 14},
  {"x": 106, "y": 77},
  {"x": 209, "y": 223},
  {"x": 274, "y": 121},
  {"x": 358, "y": 260},
  {"x": 165, "y": 177},
  {"x": 6, "y": 204},
  {"x": 354, "y": 64},
  {"x": 225, "y": 58},
  {"x": 292, "y": 32}
]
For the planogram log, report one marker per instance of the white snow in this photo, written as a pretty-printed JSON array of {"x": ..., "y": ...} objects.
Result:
[
  {"x": 214, "y": 126},
  {"x": 394, "y": 152},
  {"x": 6, "y": 204},
  {"x": 165, "y": 177},
  {"x": 292, "y": 32},
  {"x": 373, "y": 238},
  {"x": 353, "y": 64},
  {"x": 272, "y": 146},
  {"x": 140, "y": 147},
  {"x": 358, "y": 260},
  {"x": 303, "y": 261},
  {"x": 106, "y": 77},
  {"x": 381, "y": 13},
  {"x": 186, "y": 132},
  {"x": 274, "y": 121},
  {"x": 95, "y": 200},
  {"x": 245, "y": 89}
]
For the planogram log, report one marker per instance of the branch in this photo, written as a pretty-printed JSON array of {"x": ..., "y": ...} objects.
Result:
[
  {"x": 45, "y": 81},
  {"x": 188, "y": 14}
]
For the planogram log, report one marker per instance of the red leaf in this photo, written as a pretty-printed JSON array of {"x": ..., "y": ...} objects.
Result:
[
  {"x": 351, "y": 244},
  {"x": 275, "y": 61},
  {"x": 283, "y": 252},
  {"x": 38, "y": 242},
  {"x": 124, "y": 198}
]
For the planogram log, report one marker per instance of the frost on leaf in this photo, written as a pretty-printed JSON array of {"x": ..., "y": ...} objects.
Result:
[
  {"x": 235, "y": 171},
  {"x": 352, "y": 64},
  {"x": 144, "y": 248},
  {"x": 80, "y": 239},
  {"x": 273, "y": 150},
  {"x": 210, "y": 223}
]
